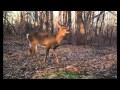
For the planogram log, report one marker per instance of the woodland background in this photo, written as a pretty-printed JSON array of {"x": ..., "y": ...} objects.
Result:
[{"x": 91, "y": 46}]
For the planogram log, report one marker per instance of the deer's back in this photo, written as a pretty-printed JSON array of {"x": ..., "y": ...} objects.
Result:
[{"x": 43, "y": 39}]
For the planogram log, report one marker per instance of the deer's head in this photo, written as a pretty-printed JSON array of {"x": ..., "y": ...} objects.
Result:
[{"x": 62, "y": 30}]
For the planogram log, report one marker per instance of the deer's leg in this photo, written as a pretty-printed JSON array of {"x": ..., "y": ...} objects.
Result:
[
  {"x": 56, "y": 56},
  {"x": 47, "y": 51},
  {"x": 33, "y": 51},
  {"x": 30, "y": 50}
]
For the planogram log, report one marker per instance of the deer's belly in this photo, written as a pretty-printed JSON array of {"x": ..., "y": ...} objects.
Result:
[
  {"x": 41, "y": 45},
  {"x": 50, "y": 46}
]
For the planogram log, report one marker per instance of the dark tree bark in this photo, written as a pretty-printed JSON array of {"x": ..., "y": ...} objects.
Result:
[
  {"x": 69, "y": 20},
  {"x": 5, "y": 15},
  {"x": 41, "y": 20},
  {"x": 5, "y": 22},
  {"x": 47, "y": 18},
  {"x": 91, "y": 28},
  {"x": 96, "y": 28},
  {"x": 10, "y": 24},
  {"x": 78, "y": 21},
  {"x": 77, "y": 33},
  {"x": 80, "y": 32},
  {"x": 22, "y": 24},
  {"x": 69, "y": 26},
  {"x": 100, "y": 30},
  {"x": 36, "y": 20},
  {"x": 21, "y": 16},
  {"x": 51, "y": 21}
]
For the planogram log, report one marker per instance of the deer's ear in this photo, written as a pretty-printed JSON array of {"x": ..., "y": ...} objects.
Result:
[{"x": 59, "y": 24}]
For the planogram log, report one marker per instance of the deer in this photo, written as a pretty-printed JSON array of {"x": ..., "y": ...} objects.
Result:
[{"x": 53, "y": 41}]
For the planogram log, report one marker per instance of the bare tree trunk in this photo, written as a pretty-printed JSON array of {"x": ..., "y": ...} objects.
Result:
[
  {"x": 22, "y": 24},
  {"x": 78, "y": 28},
  {"x": 69, "y": 20},
  {"x": 5, "y": 15},
  {"x": 69, "y": 25},
  {"x": 36, "y": 20},
  {"x": 111, "y": 35},
  {"x": 59, "y": 16},
  {"x": 100, "y": 30},
  {"x": 47, "y": 18},
  {"x": 96, "y": 28},
  {"x": 41, "y": 20},
  {"x": 51, "y": 21},
  {"x": 5, "y": 22},
  {"x": 21, "y": 17},
  {"x": 10, "y": 24},
  {"x": 92, "y": 30},
  {"x": 64, "y": 17}
]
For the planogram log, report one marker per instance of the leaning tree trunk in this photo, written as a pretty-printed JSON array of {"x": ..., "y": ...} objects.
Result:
[{"x": 10, "y": 24}]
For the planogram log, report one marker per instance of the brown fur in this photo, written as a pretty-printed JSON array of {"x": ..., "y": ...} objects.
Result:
[{"x": 49, "y": 41}]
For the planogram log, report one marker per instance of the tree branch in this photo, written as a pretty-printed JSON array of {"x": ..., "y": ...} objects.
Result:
[
  {"x": 98, "y": 15},
  {"x": 10, "y": 23},
  {"x": 113, "y": 13}
]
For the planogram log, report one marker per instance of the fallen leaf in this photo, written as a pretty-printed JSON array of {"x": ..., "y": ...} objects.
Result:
[{"x": 75, "y": 69}]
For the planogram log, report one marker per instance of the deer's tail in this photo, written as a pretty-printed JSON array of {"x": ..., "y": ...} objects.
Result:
[
  {"x": 27, "y": 36},
  {"x": 28, "y": 39}
]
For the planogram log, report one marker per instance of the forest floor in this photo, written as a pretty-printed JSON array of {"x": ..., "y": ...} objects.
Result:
[{"x": 77, "y": 62}]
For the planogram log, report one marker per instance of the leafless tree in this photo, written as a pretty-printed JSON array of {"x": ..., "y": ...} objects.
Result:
[{"x": 51, "y": 21}]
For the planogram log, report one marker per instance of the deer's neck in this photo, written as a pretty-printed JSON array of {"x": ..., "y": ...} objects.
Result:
[{"x": 59, "y": 38}]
